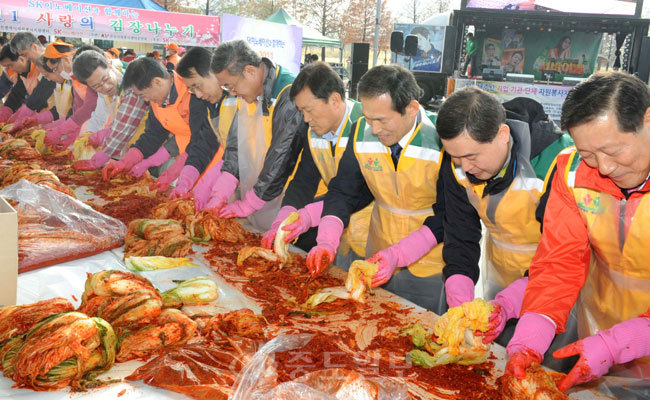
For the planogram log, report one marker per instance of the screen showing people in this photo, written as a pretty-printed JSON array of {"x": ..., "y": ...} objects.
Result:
[{"x": 601, "y": 7}]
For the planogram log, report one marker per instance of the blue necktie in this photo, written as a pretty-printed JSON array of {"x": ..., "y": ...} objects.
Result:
[{"x": 395, "y": 151}]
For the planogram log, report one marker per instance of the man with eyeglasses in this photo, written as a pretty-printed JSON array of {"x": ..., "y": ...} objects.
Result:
[
  {"x": 94, "y": 69},
  {"x": 30, "y": 94},
  {"x": 265, "y": 142},
  {"x": 171, "y": 108}
]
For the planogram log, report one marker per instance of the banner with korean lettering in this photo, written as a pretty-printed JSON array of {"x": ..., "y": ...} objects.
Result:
[
  {"x": 550, "y": 97},
  {"x": 65, "y": 18},
  {"x": 278, "y": 42}
]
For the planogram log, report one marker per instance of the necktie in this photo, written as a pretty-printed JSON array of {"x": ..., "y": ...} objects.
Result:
[{"x": 395, "y": 151}]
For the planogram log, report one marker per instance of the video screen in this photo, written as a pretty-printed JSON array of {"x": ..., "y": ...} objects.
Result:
[{"x": 602, "y": 7}]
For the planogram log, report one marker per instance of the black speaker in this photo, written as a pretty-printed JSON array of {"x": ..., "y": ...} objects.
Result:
[
  {"x": 411, "y": 45},
  {"x": 644, "y": 60},
  {"x": 397, "y": 41},
  {"x": 360, "y": 55},
  {"x": 360, "y": 52}
]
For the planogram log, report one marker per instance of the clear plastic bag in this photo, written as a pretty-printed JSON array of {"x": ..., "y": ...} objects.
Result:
[
  {"x": 54, "y": 227},
  {"x": 258, "y": 380},
  {"x": 338, "y": 383}
]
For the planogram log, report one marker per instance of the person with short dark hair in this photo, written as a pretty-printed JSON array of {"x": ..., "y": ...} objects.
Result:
[
  {"x": 27, "y": 45},
  {"x": 172, "y": 111},
  {"x": 194, "y": 67},
  {"x": 42, "y": 39},
  {"x": 274, "y": 138},
  {"x": 30, "y": 94},
  {"x": 497, "y": 162},
  {"x": 319, "y": 93},
  {"x": 594, "y": 250},
  {"x": 8, "y": 77},
  {"x": 209, "y": 116},
  {"x": 127, "y": 111},
  {"x": 393, "y": 160}
]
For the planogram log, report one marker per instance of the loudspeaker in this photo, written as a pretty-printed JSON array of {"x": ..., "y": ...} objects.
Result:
[
  {"x": 397, "y": 41},
  {"x": 411, "y": 45},
  {"x": 523, "y": 78},
  {"x": 360, "y": 52},
  {"x": 643, "y": 66},
  {"x": 492, "y": 74},
  {"x": 360, "y": 55}
]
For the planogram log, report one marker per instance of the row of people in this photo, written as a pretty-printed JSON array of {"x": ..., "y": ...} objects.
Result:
[{"x": 414, "y": 188}]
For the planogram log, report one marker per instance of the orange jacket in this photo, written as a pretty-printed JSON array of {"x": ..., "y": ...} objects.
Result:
[{"x": 561, "y": 265}]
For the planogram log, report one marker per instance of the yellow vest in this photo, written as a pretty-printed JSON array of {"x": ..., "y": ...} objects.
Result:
[
  {"x": 618, "y": 282},
  {"x": 403, "y": 197}
]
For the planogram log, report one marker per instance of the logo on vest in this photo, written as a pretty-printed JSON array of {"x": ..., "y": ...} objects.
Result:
[
  {"x": 590, "y": 205},
  {"x": 373, "y": 165}
]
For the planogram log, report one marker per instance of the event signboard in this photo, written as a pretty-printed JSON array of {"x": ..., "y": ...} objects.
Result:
[
  {"x": 601, "y": 7},
  {"x": 549, "y": 56},
  {"x": 84, "y": 20},
  {"x": 550, "y": 97},
  {"x": 431, "y": 43},
  {"x": 278, "y": 42}
]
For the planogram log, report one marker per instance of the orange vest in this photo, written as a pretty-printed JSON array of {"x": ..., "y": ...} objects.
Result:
[
  {"x": 176, "y": 117},
  {"x": 79, "y": 89},
  {"x": 174, "y": 59}
]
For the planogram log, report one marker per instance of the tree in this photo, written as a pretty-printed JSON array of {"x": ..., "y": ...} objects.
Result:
[
  {"x": 358, "y": 23},
  {"x": 322, "y": 15},
  {"x": 417, "y": 11}
]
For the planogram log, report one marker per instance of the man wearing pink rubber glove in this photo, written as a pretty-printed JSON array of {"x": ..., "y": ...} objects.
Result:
[
  {"x": 392, "y": 158},
  {"x": 593, "y": 252},
  {"x": 267, "y": 110},
  {"x": 155, "y": 160},
  {"x": 165, "y": 179},
  {"x": 95, "y": 70},
  {"x": 319, "y": 94},
  {"x": 203, "y": 188}
]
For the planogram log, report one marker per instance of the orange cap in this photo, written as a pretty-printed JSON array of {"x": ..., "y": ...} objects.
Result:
[
  {"x": 114, "y": 51},
  {"x": 172, "y": 46},
  {"x": 52, "y": 52}
]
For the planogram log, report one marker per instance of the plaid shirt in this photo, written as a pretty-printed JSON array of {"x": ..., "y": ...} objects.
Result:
[{"x": 130, "y": 112}]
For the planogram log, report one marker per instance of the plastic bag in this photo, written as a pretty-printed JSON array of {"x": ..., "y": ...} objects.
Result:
[
  {"x": 203, "y": 370},
  {"x": 54, "y": 227},
  {"x": 258, "y": 378},
  {"x": 255, "y": 378},
  {"x": 338, "y": 383}
]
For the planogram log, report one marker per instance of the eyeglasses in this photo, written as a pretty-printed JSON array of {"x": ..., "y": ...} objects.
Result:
[
  {"x": 104, "y": 81},
  {"x": 230, "y": 88}
]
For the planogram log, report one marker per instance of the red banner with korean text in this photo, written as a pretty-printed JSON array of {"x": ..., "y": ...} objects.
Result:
[{"x": 64, "y": 18}]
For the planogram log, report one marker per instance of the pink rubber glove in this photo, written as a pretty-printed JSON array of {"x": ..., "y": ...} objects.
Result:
[
  {"x": 189, "y": 175},
  {"x": 154, "y": 160},
  {"x": 203, "y": 188},
  {"x": 243, "y": 208},
  {"x": 5, "y": 113},
  {"x": 96, "y": 161},
  {"x": 69, "y": 129},
  {"x": 97, "y": 138},
  {"x": 403, "y": 253},
  {"x": 42, "y": 118},
  {"x": 308, "y": 217},
  {"x": 166, "y": 178},
  {"x": 222, "y": 189},
  {"x": 269, "y": 236},
  {"x": 22, "y": 113},
  {"x": 507, "y": 305},
  {"x": 132, "y": 157},
  {"x": 624, "y": 342},
  {"x": 54, "y": 124},
  {"x": 459, "y": 289},
  {"x": 533, "y": 336},
  {"x": 327, "y": 242}
]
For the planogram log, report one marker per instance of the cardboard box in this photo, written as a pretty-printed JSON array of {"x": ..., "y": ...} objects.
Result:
[{"x": 8, "y": 253}]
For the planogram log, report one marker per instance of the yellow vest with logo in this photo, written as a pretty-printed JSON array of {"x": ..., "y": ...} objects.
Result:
[
  {"x": 618, "y": 282},
  {"x": 403, "y": 197}
]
